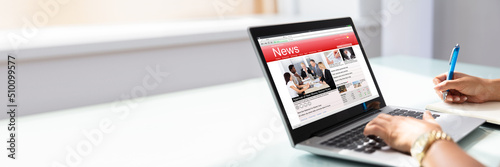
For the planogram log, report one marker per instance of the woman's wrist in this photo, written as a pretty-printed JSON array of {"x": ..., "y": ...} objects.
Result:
[
  {"x": 436, "y": 148},
  {"x": 493, "y": 88},
  {"x": 448, "y": 153}
]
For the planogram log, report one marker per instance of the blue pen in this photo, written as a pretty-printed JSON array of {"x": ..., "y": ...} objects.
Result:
[{"x": 453, "y": 62}]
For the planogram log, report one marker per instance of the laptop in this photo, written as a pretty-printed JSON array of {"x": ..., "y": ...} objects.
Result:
[{"x": 326, "y": 114}]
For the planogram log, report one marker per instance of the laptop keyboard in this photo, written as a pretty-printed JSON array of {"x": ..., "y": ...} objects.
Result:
[
  {"x": 355, "y": 140},
  {"x": 409, "y": 113}
]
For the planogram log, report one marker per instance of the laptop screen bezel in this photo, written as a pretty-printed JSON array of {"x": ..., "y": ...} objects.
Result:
[{"x": 306, "y": 131}]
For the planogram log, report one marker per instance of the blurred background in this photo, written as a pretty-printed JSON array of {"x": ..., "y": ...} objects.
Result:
[{"x": 75, "y": 53}]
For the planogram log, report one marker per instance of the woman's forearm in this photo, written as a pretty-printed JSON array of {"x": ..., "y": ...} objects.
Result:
[{"x": 448, "y": 153}]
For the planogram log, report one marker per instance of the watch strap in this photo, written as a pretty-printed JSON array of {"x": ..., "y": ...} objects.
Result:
[{"x": 432, "y": 138}]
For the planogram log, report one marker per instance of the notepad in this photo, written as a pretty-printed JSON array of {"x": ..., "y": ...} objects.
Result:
[{"x": 490, "y": 111}]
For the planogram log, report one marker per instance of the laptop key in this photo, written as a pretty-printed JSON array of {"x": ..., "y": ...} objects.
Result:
[
  {"x": 369, "y": 150},
  {"x": 359, "y": 148},
  {"x": 359, "y": 142},
  {"x": 360, "y": 136},
  {"x": 351, "y": 146},
  {"x": 371, "y": 136},
  {"x": 378, "y": 139}
]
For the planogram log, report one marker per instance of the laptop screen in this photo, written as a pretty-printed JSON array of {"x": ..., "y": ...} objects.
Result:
[{"x": 318, "y": 72}]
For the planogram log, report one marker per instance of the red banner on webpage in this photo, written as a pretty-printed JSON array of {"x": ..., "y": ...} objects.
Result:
[{"x": 308, "y": 46}]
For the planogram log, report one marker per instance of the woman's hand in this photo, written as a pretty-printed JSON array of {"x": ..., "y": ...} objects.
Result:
[
  {"x": 400, "y": 132},
  {"x": 464, "y": 88}
]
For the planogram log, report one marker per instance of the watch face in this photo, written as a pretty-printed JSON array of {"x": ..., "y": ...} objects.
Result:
[{"x": 419, "y": 144}]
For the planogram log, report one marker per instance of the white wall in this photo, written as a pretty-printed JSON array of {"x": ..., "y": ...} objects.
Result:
[
  {"x": 323, "y": 9},
  {"x": 408, "y": 30},
  {"x": 368, "y": 27},
  {"x": 428, "y": 28},
  {"x": 60, "y": 83},
  {"x": 475, "y": 25}
]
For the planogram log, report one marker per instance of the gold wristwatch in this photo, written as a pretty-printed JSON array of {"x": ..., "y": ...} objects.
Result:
[{"x": 424, "y": 142}]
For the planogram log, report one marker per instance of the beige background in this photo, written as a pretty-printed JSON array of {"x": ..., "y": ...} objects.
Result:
[{"x": 85, "y": 12}]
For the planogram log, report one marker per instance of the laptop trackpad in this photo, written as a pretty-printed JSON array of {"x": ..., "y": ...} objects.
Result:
[{"x": 458, "y": 126}]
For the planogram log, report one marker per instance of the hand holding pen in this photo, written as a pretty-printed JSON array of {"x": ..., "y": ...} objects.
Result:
[
  {"x": 466, "y": 88},
  {"x": 456, "y": 87}
]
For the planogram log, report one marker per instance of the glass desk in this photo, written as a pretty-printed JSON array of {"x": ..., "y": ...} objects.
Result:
[{"x": 235, "y": 124}]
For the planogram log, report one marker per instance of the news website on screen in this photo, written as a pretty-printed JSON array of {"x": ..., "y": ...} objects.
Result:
[{"x": 318, "y": 73}]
